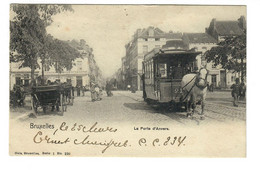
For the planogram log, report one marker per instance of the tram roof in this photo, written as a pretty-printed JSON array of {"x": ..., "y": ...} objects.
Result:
[{"x": 170, "y": 52}]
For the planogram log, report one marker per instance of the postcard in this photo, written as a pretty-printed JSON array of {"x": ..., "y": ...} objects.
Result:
[{"x": 127, "y": 80}]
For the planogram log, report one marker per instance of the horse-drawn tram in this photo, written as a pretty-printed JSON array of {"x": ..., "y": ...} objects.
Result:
[
  {"x": 54, "y": 96},
  {"x": 163, "y": 72}
]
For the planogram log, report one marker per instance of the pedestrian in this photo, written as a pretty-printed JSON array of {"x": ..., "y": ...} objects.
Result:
[
  {"x": 93, "y": 92},
  {"x": 97, "y": 91},
  {"x": 108, "y": 89},
  {"x": 78, "y": 90},
  {"x": 83, "y": 90},
  {"x": 235, "y": 92},
  {"x": 242, "y": 91}
]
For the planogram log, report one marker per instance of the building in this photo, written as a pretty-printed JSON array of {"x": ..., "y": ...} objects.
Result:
[
  {"x": 78, "y": 75},
  {"x": 220, "y": 30},
  {"x": 84, "y": 69},
  {"x": 143, "y": 41}
]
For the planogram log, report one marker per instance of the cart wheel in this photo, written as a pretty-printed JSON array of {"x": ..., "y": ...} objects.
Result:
[
  {"x": 65, "y": 104},
  {"x": 61, "y": 103}
]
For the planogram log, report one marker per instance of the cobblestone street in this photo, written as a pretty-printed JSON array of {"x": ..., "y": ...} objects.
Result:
[{"x": 125, "y": 106}]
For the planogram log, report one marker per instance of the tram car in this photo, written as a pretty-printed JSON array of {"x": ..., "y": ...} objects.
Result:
[{"x": 163, "y": 70}]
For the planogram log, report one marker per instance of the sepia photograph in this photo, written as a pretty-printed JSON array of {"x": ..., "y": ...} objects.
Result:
[{"x": 128, "y": 80}]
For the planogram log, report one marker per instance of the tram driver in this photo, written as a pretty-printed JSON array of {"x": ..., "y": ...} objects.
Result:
[{"x": 178, "y": 71}]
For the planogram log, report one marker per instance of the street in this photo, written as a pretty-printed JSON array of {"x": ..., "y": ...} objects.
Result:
[
  {"x": 220, "y": 134},
  {"x": 125, "y": 106}
]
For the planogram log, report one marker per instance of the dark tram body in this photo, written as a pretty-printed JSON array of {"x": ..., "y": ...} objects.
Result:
[{"x": 163, "y": 71}]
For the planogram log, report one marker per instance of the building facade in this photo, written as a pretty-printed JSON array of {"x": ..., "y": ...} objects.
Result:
[
  {"x": 144, "y": 40},
  {"x": 220, "y": 30},
  {"x": 78, "y": 75}
]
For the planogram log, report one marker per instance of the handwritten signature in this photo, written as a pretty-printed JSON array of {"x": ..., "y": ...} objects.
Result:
[{"x": 40, "y": 137}]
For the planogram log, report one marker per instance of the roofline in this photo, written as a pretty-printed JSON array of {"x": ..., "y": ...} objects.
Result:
[{"x": 156, "y": 52}]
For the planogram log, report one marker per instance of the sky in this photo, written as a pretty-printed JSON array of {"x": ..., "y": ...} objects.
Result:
[{"x": 108, "y": 28}]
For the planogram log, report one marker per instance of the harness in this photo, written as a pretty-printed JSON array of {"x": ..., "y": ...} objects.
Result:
[
  {"x": 205, "y": 82},
  {"x": 196, "y": 84}
]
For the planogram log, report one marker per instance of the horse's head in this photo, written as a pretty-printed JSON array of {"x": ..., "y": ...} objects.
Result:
[{"x": 202, "y": 78}]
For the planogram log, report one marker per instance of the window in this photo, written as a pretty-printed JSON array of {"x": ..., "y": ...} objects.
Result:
[
  {"x": 148, "y": 70},
  {"x": 232, "y": 78},
  {"x": 162, "y": 70},
  {"x": 79, "y": 65},
  {"x": 26, "y": 79},
  {"x": 214, "y": 80},
  {"x": 157, "y": 39},
  {"x": 68, "y": 81},
  {"x": 18, "y": 80},
  {"x": 79, "y": 80},
  {"x": 145, "y": 49}
]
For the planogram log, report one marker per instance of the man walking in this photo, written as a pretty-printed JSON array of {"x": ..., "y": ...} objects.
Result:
[{"x": 235, "y": 92}]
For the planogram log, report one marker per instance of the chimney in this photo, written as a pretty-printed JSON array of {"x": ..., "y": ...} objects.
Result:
[
  {"x": 242, "y": 22},
  {"x": 150, "y": 32}
]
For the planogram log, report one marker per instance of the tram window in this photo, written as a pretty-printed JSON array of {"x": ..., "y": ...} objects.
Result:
[
  {"x": 148, "y": 70},
  {"x": 146, "y": 66},
  {"x": 162, "y": 70},
  {"x": 152, "y": 71}
]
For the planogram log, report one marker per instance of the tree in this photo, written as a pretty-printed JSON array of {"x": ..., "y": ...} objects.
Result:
[
  {"x": 62, "y": 55},
  {"x": 230, "y": 54},
  {"x": 28, "y": 37}
]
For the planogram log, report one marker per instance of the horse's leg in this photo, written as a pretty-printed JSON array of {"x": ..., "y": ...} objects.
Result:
[
  {"x": 188, "y": 106},
  {"x": 202, "y": 117},
  {"x": 193, "y": 104}
]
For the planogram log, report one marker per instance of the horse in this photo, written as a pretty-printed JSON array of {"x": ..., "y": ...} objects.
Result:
[{"x": 194, "y": 86}]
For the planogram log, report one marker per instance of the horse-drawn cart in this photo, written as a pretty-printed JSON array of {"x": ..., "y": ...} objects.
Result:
[{"x": 54, "y": 96}]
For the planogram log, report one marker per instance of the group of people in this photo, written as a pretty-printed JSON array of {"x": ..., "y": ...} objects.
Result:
[
  {"x": 80, "y": 89},
  {"x": 96, "y": 91},
  {"x": 238, "y": 91}
]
